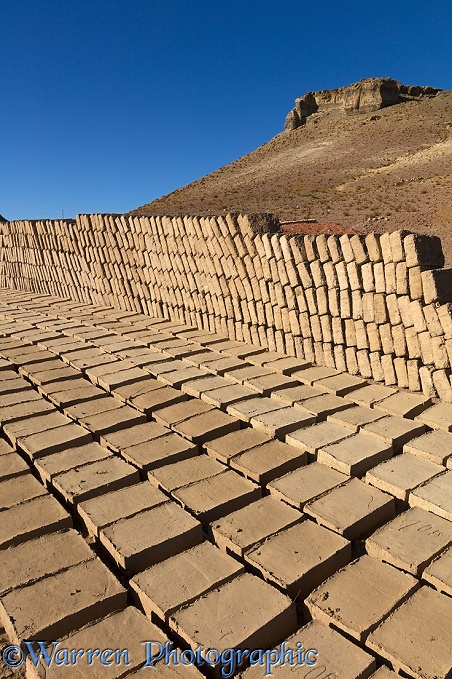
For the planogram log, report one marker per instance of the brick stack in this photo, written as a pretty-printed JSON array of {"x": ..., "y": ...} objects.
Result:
[{"x": 375, "y": 306}]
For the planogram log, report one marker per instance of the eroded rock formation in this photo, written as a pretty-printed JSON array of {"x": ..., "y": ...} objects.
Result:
[{"x": 365, "y": 96}]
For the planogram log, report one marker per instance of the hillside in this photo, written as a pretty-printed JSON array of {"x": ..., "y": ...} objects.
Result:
[{"x": 375, "y": 170}]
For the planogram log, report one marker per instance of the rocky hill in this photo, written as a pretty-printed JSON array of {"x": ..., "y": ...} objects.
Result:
[
  {"x": 365, "y": 96},
  {"x": 387, "y": 168}
]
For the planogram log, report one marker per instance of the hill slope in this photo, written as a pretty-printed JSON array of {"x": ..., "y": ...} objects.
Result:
[{"x": 379, "y": 170}]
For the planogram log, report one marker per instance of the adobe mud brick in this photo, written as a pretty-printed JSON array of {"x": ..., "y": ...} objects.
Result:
[
  {"x": 34, "y": 425},
  {"x": 393, "y": 430},
  {"x": 20, "y": 489},
  {"x": 341, "y": 384},
  {"x": 246, "y": 410},
  {"x": 437, "y": 285},
  {"x": 323, "y": 405},
  {"x": 65, "y": 397},
  {"x": 411, "y": 541},
  {"x": 353, "y": 509},
  {"x": 278, "y": 423},
  {"x": 403, "y": 404},
  {"x": 154, "y": 399},
  {"x": 57, "y": 552},
  {"x": 422, "y": 250},
  {"x": 21, "y": 411},
  {"x": 218, "y": 495},
  {"x": 197, "y": 387},
  {"x": 179, "y": 412},
  {"x": 337, "y": 656},
  {"x": 305, "y": 484},
  {"x": 354, "y": 455},
  {"x": 435, "y": 446},
  {"x": 438, "y": 416},
  {"x": 239, "y": 531},
  {"x": 402, "y": 638},
  {"x": 122, "y": 630},
  {"x": 227, "y": 395},
  {"x": 132, "y": 436},
  {"x": 439, "y": 573},
  {"x": 226, "y": 447},
  {"x": 90, "y": 480},
  {"x": 266, "y": 384},
  {"x": 5, "y": 448},
  {"x": 313, "y": 438},
  {"x": 360, "y": 596},
  {"x": 12, "y": 465},
  {"x": 401, "y": 475},
  {"x": 176, "y": 378},
  {"x": 296, "y": 394},
  {"x": 113, "y": 420},
  {"x": 368, "y": 396},
  {"x": 150, "y": 536},
  {"x": 251, "y": 372},
  {"x": 84, "y": 409},
  {"x": 160, "y": 451},
  {"x": 268, "y": 461},
  {"x": 173, "y": 476},
  {"x": 72, "y": 598},
  {"x": 354, "y": 418},
  {"x": 178, "y": 581},
  {"x": 311, "y": 554},
  {"x": 54, "y": 440},
  {"x": 206, "y": 426},
  {"x": 311, "y": 375},
  {"x": 243, "y": 613},
  {"x": 286, "y": 365},
  {"x": 49, "y": 466},
  {"x": 435, "y": 496},
  {"x": 106, "y": 509}
]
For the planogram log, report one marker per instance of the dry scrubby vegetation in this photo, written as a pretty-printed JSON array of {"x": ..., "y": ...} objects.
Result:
[{"x": 378, "y": 171}]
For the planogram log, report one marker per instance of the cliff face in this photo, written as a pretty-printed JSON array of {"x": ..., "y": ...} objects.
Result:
[{"x": 367, "y": 95}]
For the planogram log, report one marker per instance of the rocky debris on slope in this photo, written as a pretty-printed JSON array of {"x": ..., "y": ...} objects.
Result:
[{"x": 370, "y": 94}]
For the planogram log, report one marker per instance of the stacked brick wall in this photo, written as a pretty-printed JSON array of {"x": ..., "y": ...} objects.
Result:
[{"x": 376, "y": 306}]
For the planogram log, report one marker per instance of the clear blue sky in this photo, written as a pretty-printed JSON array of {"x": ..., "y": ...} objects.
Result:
[{"x": 108, "y": 104}]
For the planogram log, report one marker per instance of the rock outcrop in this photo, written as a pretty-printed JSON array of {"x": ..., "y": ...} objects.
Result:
[{"x": 365, "y": 96}]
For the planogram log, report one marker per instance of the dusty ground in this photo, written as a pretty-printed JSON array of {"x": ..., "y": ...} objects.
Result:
[{"x": 378, "y": 171}]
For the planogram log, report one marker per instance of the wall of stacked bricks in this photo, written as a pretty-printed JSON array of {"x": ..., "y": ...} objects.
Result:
[{"x": 376, "y": 306}]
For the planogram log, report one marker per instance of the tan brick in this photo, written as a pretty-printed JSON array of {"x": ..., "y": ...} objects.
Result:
[
  {"x": 83, "y": 483},
  {"x": 226, "y": 447},
  {"x": 268, "y": 461},
  {"x": 354, "y": 455},
  {"x": 435, "y": 496},
  {"x": 439, "y": 573},
  {"x": 302, "y": 569},
  {"x": 238, "y": 532},
  {"x": 411, "y": 540},
  {"x": 438, "y": 416},
  {"x": 56, "y": 551},
  {"x": 395, "y": 431},
  {"x": 243, "y": 621},
  {"x": 353, "y": 509},
  {"x": 360, "y": 596},
  {"x": 401, "y": 475},
  {"x": 104, "y": 510},
  {"x": 32, "y": 519},
  {"x": 212, "y": 498},
  {"x": 180, "y": 580},
  {"x": 122, "y": 630},
  {"x": 73, "y": 598},
  {"x": 401, "y": 638},
  {"x": 150, "y": 536}
]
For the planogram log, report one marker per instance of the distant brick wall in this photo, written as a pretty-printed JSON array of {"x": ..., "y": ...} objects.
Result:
[{"x": 375, "y": 306}]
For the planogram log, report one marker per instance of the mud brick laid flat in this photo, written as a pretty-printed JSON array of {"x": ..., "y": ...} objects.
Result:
[{"x": 159, "y": 482}]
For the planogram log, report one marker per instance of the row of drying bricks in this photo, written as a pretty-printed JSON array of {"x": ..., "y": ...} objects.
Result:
[{"x": 183, "y": 470}]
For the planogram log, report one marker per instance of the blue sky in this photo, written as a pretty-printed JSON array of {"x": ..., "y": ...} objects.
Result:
[{"x": 108, "y": 104}]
